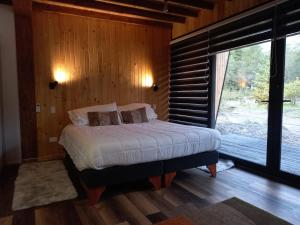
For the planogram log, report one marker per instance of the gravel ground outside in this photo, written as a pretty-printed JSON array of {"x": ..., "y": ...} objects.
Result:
[{"x": 252, "y": 122}]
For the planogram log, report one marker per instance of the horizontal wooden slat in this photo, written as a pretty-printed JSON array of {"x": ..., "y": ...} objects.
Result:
[
  {"x": 187, "y": 87},
  {"x": 187, "y": 92},
  {"x": 289, "y": 18},
  {"x": 199, "y": 100},
  {"x": 252, "y": 30},
  {"x": 194, "y": 46},
  {"x": 191, "y": 54},
  {"x": 190, "y": 65},
  {"x": 190, "y": 68},
  {"x": 288, "y": 7},
  {"x": 242, "y": 42},
  {"x": 190, "y": 80},
  {"x": 191, "y": 60},
  {"x": 189, "y": 74},
  {"x": 292, "y": 18},
  {"x": 192, "y": 106},
  {"x": 253, "y": 19},
  {"x": 292, "y": 29},
  {"x": 192, "y": 119},
  {"x": 200, "y": 93},
  {"x": 191, "y": 41},
  {"x": 199, "y": 113},
  {"x": 188, "y": 123}
]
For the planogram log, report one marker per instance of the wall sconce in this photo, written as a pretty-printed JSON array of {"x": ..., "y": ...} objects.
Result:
[
  {"x": 53, "y": 84},
  {"x": 60, "y": 77},
  {"x": 155, "y": 87}
]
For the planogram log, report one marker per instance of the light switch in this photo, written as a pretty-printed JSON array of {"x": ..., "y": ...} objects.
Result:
[
  {"x": 38, "y": 107},
  {"x": 52, "y": 109},
  {"x": 52, "y": 139}
]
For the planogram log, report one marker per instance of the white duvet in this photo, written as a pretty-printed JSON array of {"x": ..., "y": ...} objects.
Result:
[{"x": 125, "y": 144}]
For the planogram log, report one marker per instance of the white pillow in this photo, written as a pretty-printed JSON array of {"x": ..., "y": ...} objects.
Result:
[
  {"x": 151, "y": 115},
  {"x": 79, "y": 116}
]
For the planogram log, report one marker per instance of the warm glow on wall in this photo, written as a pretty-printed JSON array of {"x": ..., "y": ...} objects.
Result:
[
  {"x": 60, "y": 75},
  {"x": 148, "y": 81}
]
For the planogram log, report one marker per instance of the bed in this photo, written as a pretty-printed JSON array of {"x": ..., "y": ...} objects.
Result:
[{"x": 105, "y": 155}]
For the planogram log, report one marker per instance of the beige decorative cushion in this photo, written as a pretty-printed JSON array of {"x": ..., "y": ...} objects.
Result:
[
  {"x": 151, "y": 115},
  {"x": 103, "y": 118},
  {"x": 79, "y": 116},
  {"x": 135, "y": 116}
]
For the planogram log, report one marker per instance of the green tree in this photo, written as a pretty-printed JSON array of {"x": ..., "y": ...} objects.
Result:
[
  {"x": 261, "y": 86},
  {"x": 244, "y": 65},
  {"x": 292, "y": 90}
]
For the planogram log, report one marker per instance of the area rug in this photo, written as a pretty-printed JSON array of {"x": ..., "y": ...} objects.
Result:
[
  {"x": 235, "y": 211},
  {"x": 181, "y": 220},
  {"x": 222, "y": 165},
  {"x": 42, "y": 183}
]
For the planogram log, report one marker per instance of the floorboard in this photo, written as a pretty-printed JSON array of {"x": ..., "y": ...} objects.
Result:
[
  {"x": 255, "y": 150},
  {"x": 132, "y": 204}
]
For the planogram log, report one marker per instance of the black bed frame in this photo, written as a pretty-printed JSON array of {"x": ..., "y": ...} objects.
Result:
[{"x": 159, "y": 173}]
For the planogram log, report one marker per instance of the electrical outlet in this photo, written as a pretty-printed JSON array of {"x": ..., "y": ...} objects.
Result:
[
  {"x": 52, "y": 109},
  {"x": 52, "y": 139},
  {"x": 38, "y": 107}
]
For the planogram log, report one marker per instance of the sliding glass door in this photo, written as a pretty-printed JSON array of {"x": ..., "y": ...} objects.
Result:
[
  {"x": 257, "y": 114},
  {"x": 290, "y": 147},
  {"x": 242, "y": 115}
]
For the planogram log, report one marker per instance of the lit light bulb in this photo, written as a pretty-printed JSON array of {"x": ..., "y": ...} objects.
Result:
[
  {"x": 148, "y": 82},
  {"x": 60, "y": 76}
]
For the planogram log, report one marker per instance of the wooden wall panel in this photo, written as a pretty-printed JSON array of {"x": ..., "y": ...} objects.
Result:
[
  {"x": 222, "y": 10},
  {"x": 104, "y": 61},
  {"x": 221, "y": 69}
]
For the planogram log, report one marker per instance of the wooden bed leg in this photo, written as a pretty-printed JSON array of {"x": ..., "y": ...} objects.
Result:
[
  {"x": 94, "y": 194},
  {"x": 212, "y": 169},
  {"x": 168, "y": 178},
  {"x": 156, "y": 182}
]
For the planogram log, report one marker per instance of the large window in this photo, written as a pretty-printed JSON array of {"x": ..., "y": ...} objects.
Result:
[
  {"x": 244, "y": 74},
  {"x": 243, "y": 113},
  {"x": 290, "y": 153}
]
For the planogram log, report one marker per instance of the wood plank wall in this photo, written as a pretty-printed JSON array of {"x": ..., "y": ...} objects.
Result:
[
  {"x": 221, "y": 69},
  {"x": 104, "y": 61},
  {"x": 222, "y": 10}
]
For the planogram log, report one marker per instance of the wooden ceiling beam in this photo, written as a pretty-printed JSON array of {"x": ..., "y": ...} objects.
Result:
[
  {"x": 120, "y": 10},
  {"x": 158, "y": 6},
  {"x": 94, "y": 14},
  {"x": 6, "y": 2},
  {"x": 200, "y": 4}
]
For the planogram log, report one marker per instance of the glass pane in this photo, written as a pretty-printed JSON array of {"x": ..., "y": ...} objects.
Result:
[
  {"x": 242, "y": 115},
  {"x": 290, "y": 153}
]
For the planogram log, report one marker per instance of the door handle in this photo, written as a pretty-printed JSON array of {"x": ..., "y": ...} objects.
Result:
[{"x": 267, "y": 101}]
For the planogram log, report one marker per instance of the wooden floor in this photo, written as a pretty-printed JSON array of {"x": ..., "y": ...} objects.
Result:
[
  {"x": 139, "y": 205},
  {"x": 255, "y": 150}
]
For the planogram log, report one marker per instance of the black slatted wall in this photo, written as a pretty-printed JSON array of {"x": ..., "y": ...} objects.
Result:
[
  {"x": 246, "y": 31},
  {"x": 289, "y": 18},
  {"x": 189, "y": 84}
]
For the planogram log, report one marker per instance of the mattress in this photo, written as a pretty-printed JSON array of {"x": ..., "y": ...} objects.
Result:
[{"x": 126, "y": 144}]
